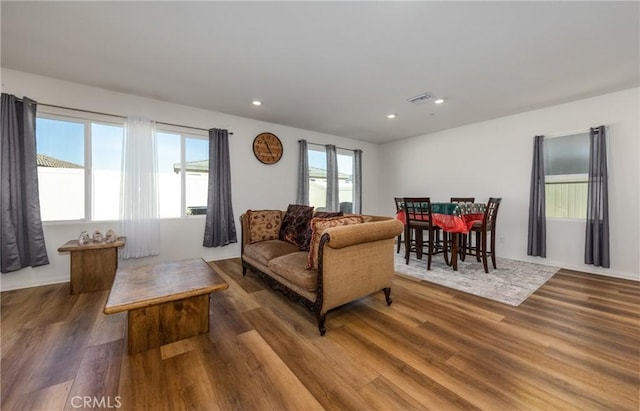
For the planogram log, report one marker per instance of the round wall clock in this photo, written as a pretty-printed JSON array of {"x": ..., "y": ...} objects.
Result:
[{"x": 267, "y": 148}]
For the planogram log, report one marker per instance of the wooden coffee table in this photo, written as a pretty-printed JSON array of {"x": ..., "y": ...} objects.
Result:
[{"x": 166, "y": 302}]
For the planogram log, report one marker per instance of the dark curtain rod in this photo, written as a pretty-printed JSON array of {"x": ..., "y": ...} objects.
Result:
[
  {"x": 341, "y": 148},
  {"x": 117, "y": 115},
  {"x": 572, "y": 132}
]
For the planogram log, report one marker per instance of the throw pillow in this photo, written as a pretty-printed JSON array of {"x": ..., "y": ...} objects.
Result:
[
  {"x": 264, "y": 225},
  {"x": 294, "y": 223},
  {"x": 318, "y": 225},
  {"x": 308, "y": 233}
]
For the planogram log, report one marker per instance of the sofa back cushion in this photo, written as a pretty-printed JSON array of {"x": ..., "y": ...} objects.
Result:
[
  {"x": 264, "y": 224},
  {"x": 318, "y": 225},
  {"x": 294, "y": 224},
  {"x": 306, "y": 245}
]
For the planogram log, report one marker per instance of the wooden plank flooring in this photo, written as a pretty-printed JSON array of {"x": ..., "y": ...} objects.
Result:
[{"x": 573, "y": 345}]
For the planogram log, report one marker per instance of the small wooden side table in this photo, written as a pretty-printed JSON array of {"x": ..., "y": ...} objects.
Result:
[{"x": 93, "y": 265}]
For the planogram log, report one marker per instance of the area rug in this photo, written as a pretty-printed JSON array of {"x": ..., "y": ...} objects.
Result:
[{"x": 511, "y": 283}]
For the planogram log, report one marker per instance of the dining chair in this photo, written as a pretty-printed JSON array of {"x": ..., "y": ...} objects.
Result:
[
  {"x": 418, "y": 217},
  {"x": 464, "y": 238},
  {"x": 399, "y": 206},
  {"x": 483, "y": 249}
]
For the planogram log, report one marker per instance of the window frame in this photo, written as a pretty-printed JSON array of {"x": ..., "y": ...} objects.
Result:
[{"x": 86, "y": 121}]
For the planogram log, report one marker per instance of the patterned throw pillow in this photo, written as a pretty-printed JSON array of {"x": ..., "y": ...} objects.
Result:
[
  {"x": 308, "y": 233},
  {"x": 294, "y": 224},
  {"x": 264, "y": 225},
  {"x": 318, "y": 225}
]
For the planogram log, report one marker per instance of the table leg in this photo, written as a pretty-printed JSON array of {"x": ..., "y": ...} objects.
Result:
[
  {"x": 454, "y": 250},
  {"x": 93, "y": 270},
  {"x": 160, "y": 324}
]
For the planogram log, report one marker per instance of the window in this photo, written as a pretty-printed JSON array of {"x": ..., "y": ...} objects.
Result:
[
  {"x": 106, "y": 161},
  {"x": 66, "y": 172},
  {"x": 196, "y": 187},
  {"x": 60, "y": 158},
  {"x": 79, "y": 170},
  {"x": 566, "y": 169},
  {"x": 318, "y": 178},
  {"x": 170, "y": 177},
  {"x": 184, "y": 174},
  {"x": 345, "y": 182}
]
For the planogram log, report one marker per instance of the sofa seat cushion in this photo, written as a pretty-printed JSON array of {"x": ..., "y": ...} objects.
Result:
[
  {"x": 265, "y": 251},
  {"x": 292, "y": 267}
]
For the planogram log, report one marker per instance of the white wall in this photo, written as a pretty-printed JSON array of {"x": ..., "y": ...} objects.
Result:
[
  {"x": 493, "y": 158},
  {"x": 255, "y": 185}
]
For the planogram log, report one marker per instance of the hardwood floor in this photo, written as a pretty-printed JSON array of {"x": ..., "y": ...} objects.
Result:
[{"x": 574, "y": 344}]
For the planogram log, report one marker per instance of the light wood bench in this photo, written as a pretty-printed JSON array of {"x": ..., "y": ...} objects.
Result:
[{"x": 166, "y": 302}]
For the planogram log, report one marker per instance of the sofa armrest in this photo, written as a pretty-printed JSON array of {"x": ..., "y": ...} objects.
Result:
[
  {"x": 345, "y": 236},
  {"x": 244, "y": 228}
]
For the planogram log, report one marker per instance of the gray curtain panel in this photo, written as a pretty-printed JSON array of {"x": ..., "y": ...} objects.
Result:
[
  {"x": 333, "y": 201},
  {"x": 21, "y": 239},
  {"x": 302, "y": 195},
  {"x": 220, "y": 228},
  {"x": 357, "y": 181},
  {"x": 537, "y": 239},
  {"x": 596, "y": 249}
]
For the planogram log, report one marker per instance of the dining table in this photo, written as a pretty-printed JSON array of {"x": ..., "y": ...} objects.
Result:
[{"x": 454, "y": 218}]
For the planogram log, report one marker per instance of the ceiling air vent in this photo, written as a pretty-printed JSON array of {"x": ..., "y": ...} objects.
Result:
[{"x": 420, "y": 98}]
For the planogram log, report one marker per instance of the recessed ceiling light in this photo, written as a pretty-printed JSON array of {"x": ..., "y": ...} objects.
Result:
[
  {"x": 256, "y": 102},
  {"x": 439, "y": 101},
  {"x": 391, "y": 116}
]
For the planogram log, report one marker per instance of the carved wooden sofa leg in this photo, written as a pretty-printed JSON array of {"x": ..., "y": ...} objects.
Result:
[
  {"x": 387, "y": 295},
  {"x": 321, "y": 319}
]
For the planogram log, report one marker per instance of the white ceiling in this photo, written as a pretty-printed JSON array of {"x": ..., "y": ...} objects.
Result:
[{"x": 335, "y": 67}]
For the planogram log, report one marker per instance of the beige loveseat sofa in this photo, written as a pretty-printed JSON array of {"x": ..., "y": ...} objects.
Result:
[{"x": 352, "y": 260}]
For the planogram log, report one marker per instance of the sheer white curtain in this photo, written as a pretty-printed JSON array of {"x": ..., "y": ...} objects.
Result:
[{"x": 139, "y": 213}]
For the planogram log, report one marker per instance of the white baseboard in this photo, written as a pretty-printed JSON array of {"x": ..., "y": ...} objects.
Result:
[{"x": 588, "y": 269}]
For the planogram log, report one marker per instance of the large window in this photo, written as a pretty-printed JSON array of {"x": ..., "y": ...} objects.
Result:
[
  {"x": 566, "y": 169},
  {"x": 79, "y": 170},
  {"x": 318, "y": 178}
]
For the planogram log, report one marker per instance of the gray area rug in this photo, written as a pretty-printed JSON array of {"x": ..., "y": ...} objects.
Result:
[{"x": 511, "y": 283}]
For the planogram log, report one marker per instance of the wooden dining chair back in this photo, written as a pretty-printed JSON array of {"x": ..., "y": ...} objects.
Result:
[
  {"x": 462, "y": 200},
  {"x": 418, "y": 217},
  {"x": 465, "y": 241},
  {"x": 399, "y": 207},
  {"x": 483, "y": 248}
]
